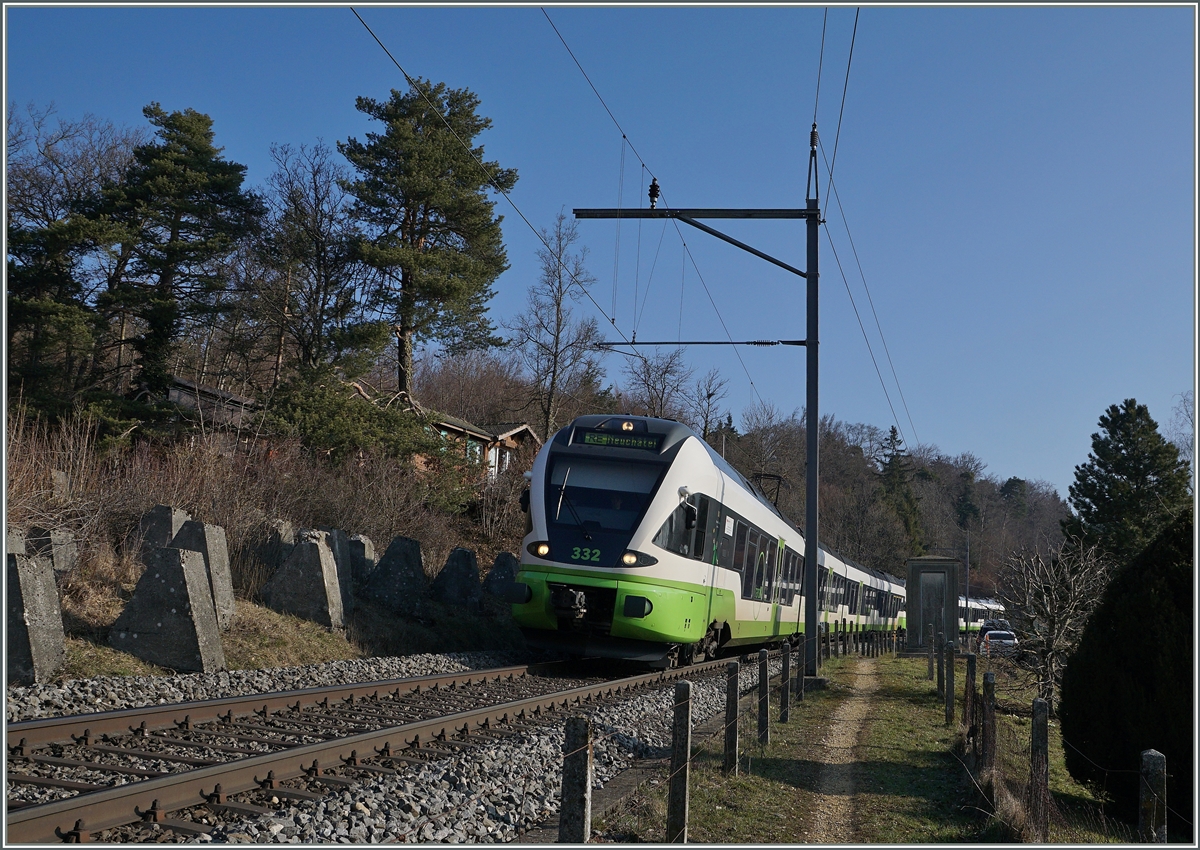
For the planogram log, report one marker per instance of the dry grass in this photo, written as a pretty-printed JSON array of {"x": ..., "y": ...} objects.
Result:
[
  {"x": 59, "y": 478},
  {"x": 259, "y": 637}
]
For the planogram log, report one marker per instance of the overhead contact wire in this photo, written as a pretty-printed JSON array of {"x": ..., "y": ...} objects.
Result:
[{"x": 617, "y": 124}]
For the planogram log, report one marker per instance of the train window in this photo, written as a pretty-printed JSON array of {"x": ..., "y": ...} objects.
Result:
[
  {"x": 739, "y": 546},
  {"x": 822, "y": 581},
  {"x": 748, "y": 580},
  {"x": 852, "y": 598},
  {"x": 764, "y": 577},
  {"x": 600, "y": 494},
  {"x": 675, "y": 536},
  {"x": 725, "y": 541},
  {"x": 699, "y": 551}
]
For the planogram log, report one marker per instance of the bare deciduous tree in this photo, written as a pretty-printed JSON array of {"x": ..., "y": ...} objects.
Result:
[
  {"x": 482, "y": 387},
  {"x": 1048, "y": 597},
  {"x": 556, "y": 348},
  {"x": 702, "y": 408},
  {"x": 656, "y": 384},
  {"x": 1182, "y": 430}
]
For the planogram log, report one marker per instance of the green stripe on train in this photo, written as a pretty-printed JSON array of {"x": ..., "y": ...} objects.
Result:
[{"x": 680, "y": 611}]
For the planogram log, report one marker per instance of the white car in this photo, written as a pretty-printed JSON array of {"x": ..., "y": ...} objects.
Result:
[{"x": 998, "y": 642}]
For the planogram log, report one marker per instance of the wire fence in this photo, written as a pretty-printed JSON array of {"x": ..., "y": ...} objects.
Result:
[{"x": 1008, "y": 762}]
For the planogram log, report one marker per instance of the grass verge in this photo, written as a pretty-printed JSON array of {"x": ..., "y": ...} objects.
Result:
[{"x": 910, "y": 786}]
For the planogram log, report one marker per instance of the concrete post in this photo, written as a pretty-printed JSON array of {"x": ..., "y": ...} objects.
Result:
[
  {"x": 949, "y": 683},
  {"x": 1152, "y": 798},
  {"x": 681, "y": 754},
  {"x": 1039, "y": 772},
  {"x": 732, "y": 677},
  {"x": 764, "y": 695},
  {"x": 989, "y": 720},
  {"x": 785, "y": 684},
  {"x": 33, "y": 621},
  {"x": 575, "y": 814}
]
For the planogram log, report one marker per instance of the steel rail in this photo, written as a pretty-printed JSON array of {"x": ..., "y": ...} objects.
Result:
[
  {"x": 122, "y": 804},
  {"x": 30, "y": 733}
]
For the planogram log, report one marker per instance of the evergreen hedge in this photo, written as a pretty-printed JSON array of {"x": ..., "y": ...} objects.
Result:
[{"x": 1129, "y": 685}]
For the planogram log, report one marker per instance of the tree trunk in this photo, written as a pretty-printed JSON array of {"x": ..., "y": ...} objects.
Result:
[
  {"x": 404, "y": 358},
  {"x": 121, "y": 351}
]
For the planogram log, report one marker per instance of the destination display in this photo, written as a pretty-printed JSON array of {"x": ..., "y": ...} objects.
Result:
[{"x": 649, "y": 442}]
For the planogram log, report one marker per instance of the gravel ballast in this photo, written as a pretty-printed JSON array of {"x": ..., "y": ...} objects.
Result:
[{"x": 490, "y": 794}]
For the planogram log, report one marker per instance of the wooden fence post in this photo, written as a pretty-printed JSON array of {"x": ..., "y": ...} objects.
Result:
[
  {"x": 929, "y": 643},
  {"x": 949, "y": 683},
  {"x": 764, "y": 698},
  {"x": 681, "y": 756},
  {"x": 785, "y": 684},
  {"x": 1152, "y": 798},
  {"x": 940, "y": 643},
  {"x": 575, "y": 812},
  {"x": 969, "y": 696},
  {"x": 1039, "y": 772},
  {"x": 800, "y": 668},
  {"x": 989, "y": 720},
  {"x": 732, "y": 688}
]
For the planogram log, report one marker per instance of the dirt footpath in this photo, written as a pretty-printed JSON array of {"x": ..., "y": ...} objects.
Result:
[{"x": 838, "y": 774}]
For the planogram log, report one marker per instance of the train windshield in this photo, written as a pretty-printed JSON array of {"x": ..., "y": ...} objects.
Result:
[{"x": 599, "y": 495}]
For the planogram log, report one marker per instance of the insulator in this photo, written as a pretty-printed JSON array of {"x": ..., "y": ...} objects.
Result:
[{"x": 812, "y": 138}]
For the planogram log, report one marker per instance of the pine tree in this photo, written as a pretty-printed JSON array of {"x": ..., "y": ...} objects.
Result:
[
  {"x": 182, "y": 207},
  {"x": 897, "y": 489},
  {"x": 1132, "y": 486},
  {"x": 421, "y": 198}
]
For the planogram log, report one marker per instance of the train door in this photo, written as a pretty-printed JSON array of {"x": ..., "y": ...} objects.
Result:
[{"x": 775, "y": 584}]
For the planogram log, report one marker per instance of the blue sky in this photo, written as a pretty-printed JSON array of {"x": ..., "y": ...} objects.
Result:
[{"x": 1019, "y": 182}]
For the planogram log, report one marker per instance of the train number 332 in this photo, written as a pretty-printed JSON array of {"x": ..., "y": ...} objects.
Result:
[{"x": 585, "y": 554}]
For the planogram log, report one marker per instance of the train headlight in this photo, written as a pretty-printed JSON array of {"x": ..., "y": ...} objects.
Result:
[
  {"x": 629, "y": 559},
  {"x": 637, "y": 559},
  {"x": 539, "y": 548}
]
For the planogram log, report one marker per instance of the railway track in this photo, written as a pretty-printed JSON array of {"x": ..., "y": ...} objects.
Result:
[{"x": 71, "y": 777}]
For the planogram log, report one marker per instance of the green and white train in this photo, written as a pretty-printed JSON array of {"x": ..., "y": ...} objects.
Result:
[{"x": 645, "y": 544}]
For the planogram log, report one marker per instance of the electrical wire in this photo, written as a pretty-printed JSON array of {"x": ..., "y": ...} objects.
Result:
[
  {"x": 479, "y": 162},
  {"x": 820, "y": 64},
  {"x": 864, "y": 333},
  {"x": 871, "y": 301},
  {"x": 617, "y": 124},
  {"x": 845, "y": 85},
  {"x": 641, "y": 313}
]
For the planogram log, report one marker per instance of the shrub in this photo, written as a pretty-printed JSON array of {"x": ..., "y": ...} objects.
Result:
[{"x": 1128, "y": 687}]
